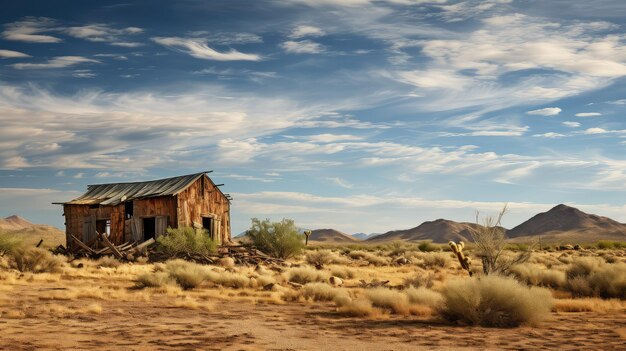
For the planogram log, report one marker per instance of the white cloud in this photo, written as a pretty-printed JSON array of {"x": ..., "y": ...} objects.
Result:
[
  {"x": 588, "y": 114},
  {"x": 306, "y": 31},
  {"x": 302, "y": 47},
  {"x": 12, "y": 54},
  {"x": 595, "y": 131},
  {"x": 548, "y": 111},
  {"x": 57, "y": 62},
  {"x": 84, "y": 73},
  {"x": 198, "y": 48},
  {"x": 549, "y": 135},
  {"x": 119, "y": 57},
  {"x": 29, "y": 29},
  {"x": 571, "y": 124},
  {"x": 104, "y": 33}
]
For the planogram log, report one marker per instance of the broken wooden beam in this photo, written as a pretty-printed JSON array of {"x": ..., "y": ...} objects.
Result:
[
  {"x": 106, "y": 241},
  {"x": 82, "y": 245}
]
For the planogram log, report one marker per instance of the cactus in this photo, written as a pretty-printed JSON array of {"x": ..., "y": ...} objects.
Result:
[
  {"x": 307, "y": 234},
  {"x": 465, "y": 261}
]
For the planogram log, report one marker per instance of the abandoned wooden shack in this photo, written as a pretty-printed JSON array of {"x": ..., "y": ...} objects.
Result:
[{"x": 139, "y": 211}]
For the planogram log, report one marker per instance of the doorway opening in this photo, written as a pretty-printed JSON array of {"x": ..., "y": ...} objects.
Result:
[{"x": 149, "y": 228}]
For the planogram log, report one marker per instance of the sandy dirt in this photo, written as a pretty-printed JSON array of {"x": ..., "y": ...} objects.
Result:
[{"x": 294, "y": 326}]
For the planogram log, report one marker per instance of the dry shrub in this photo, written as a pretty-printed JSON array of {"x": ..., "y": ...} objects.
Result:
[
  {"x": 393, "y": 300},
  {"x": 186, "y": 240},
  {"x": 589, "y": 276},
  {"x": 186, "y": 274},
  {"x": 36, "y": 260},
  {"x": 323, "y": 292},
  {"x": 319, "y": 258},
  {"x": 9, "y": 243},
  {"x": 371, "y": 258},
  {"x": 231, "y": 280},
  {"x": 435, "y": 259},
  {"x": 419, "y": 280},
  {"x": 495, "y": 301},
  {"x": 426, "y": 297},
  {"x": 153, "y": 280},
  {"x": 306, "y": 274},
  {"x": 108, "y": 261},
  {"x": 357, "y": 308},
  {"x": 342, "y": 272},
  {"x": 534, "y": 274}
]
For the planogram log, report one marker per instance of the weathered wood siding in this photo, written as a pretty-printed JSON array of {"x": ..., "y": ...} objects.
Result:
[
  {"x": 204, "y": 199},
  {"x": 76, "y": 215}
]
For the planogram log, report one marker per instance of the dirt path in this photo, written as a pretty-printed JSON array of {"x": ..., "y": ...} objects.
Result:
[{"x": 244, "y": 326}]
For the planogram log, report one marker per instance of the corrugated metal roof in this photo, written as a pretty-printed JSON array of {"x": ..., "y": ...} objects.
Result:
[{"x": 111, "y": 194}]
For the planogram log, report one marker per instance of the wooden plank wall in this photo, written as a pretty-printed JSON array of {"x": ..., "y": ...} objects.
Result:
[
  {"x": 75, "y": 217},
  {"x": 203, "y": 198}
]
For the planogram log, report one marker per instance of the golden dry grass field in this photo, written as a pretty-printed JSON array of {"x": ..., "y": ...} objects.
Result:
[{"x": 576, "y": 302}]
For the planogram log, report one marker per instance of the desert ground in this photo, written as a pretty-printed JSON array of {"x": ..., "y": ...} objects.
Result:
[{"x": 105, "y": 304}]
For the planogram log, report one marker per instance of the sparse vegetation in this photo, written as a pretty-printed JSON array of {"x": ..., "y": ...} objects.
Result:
[
  {"x": 393, "y": 300},
  {"x": 9, "y": 243},
  {"x": 495, "y": 301},
  {"x": 590, "y": 276},
  {"x": 323, "y": 292},
  {"x": 35, "y": 260},
  {"x": 186, "y": 240},
  {"x": 489, "y": 239},
  {"x": 306, "y": 274},
  {"x": 278, "y": 239}
]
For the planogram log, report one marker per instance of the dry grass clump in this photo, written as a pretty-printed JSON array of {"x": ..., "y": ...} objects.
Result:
[
  {"x": 588, "y": 276},
  {"x": 371, "y": 258},
  {"x": 495, "y": 301},
  {"x": 357, "y": 308},
  {"x": 153, "y": 280},
  {"x": 36, "y": 260},
  {"x": 319, "y": 258},
  {"x": 232, "y": 280},
  {"x": 306, "y": 274},
  {"x": 435, "y": 259},
  {"x": 419, "y": 280},
  {"x": 324, "y": 292},
  {"x": 393, "y": 300},
  {"x": 534, "y": 274},
  {"x": 9, "y": 243},
  {"x": 108, "y": 261},
  {"x": 426, "y": 297},
  {"x": 186, "y": 274},
  {"x": 342, "y": 272}
]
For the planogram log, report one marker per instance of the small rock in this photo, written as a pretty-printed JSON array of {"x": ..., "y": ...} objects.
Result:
[{"x": 335, "y": 281}]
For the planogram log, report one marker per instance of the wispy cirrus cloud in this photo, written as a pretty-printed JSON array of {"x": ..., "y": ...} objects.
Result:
[
  {"x": 56, "y": 62},
  {"x": 105, "y": 33},
  {"x": 306, "y": 31},
  {"x": 588, "y": 114},
  {"x": 12, "y": 54},
  {"x": 547, "y": 111},
  {"x": 302, "y": 47},
  {"x": 30, "y": 30},
  {"x": 199, "y": 48}
]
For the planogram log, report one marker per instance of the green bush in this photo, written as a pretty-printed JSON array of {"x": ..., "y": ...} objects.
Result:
[
  {"x": 186, "y": 240},
  {"x": 278, "y": 239},
  {"x": 607, "y": 245},
  {"x": 427, "y": 246},
  {"x": 9, "y": 243}
]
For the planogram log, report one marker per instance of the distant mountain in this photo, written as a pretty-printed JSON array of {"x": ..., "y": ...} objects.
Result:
[
  {"x": 439, "y": 231},
  {"x": 565, "y": 223},
  {"x": 331, "y": 236},
  {"x": 364, "y": 236},
  {"x": 32, "y": 233}
]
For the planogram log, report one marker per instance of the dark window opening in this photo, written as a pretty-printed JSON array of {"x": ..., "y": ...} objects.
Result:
[
  {"x": 104, "y": 226},
  {"x": 94, "y": 206},
  {"x": 207, "y": 223},
  {"x": 128, "y": 209},
  {"x": 149, "y": 228}
]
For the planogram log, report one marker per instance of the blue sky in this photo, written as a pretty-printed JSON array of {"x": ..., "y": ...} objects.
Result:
[{"x": 360, "y": 115}]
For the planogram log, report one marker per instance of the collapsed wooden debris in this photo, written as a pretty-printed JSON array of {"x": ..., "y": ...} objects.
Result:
[{"x": 130, "y": 251}]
